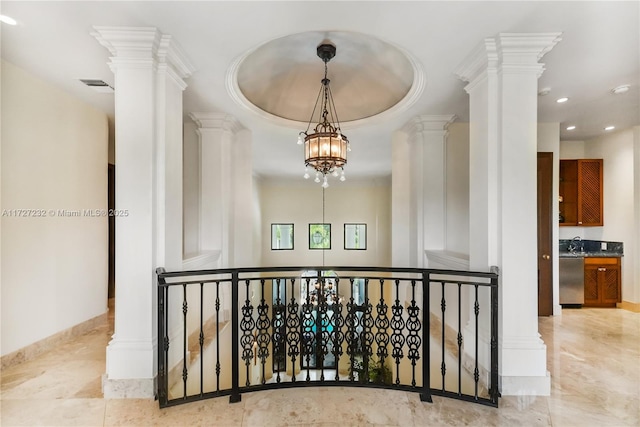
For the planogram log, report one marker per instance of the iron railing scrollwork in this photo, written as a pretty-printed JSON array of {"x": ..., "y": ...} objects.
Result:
[{"x": 224, "y": 332}]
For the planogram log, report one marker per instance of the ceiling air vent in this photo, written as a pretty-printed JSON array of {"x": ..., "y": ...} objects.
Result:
[{"x": 98, "y": 85}]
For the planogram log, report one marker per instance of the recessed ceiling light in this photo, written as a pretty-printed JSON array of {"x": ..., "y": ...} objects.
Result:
[
  {"x": 561, "y": 100},
  {"x": 544, "y": 91},
  {"x": 8, "y": 20},
  {"x": 572, "y": 127},
  {"x": 610, "y": 128},
  {"x": 620, "y": 89}
]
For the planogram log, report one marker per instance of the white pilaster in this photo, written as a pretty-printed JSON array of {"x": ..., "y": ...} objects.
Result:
[
  {"x": 149, "y": 70},
  {"x": 428, "y": 134},
  {"x": 502, "y": 75},
  {"x": 223, "y": 182}
]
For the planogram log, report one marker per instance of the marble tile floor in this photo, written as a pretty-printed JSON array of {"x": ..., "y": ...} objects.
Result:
[{"x": 593, "y": 358}]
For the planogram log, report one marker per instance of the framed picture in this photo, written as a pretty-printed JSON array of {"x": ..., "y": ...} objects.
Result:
[
  {"x": 355, "y": 237},
  {"x": 281, "y": 237},
  {"x": 319, "y": 236}
]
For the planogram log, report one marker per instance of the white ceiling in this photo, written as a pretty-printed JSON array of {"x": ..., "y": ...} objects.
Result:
[{"x": 600, "y": 49}]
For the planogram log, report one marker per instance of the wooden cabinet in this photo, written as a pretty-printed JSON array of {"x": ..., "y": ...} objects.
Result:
[
  {"x": 581, "y": 192},
  {"x": 602, "y": 282}
]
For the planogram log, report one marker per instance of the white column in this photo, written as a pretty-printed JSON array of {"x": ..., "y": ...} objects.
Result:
[
  {"x": 502, "y": 75},
  {"x": 226, "y": 190},
  {"x": 148, "y": 69}
]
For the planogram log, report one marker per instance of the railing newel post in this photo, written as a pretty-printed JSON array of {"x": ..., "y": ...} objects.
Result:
[
  {"x": 494, "y": 393},
  {"x": 425, "y": 396},
  {"x": 235, "y": 340},
  {"x": 162, "y": 385}
]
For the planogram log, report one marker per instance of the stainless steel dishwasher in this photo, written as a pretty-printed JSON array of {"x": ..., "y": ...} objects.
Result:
[{"x": 571, "y": 281}]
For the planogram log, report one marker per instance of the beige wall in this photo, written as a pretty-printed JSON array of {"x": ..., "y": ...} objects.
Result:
[
  {"x": 302, "y": 205},
  {"x": 54, "y": 158}
]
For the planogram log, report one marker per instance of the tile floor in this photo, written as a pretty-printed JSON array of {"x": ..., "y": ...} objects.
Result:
[{"x": 593, "y": 357}]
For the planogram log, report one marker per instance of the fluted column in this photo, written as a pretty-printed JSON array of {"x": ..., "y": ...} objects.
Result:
[{"x": 149, "y": 69}]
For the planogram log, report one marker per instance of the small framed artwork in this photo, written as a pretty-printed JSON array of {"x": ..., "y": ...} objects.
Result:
[
  {"x": 355, "y": 237},
  {"x": 319, "y": 236},
  {"x": 281, "y": 237}
]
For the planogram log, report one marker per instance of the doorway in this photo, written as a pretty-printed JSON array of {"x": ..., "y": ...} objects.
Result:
[{"x": 545, "y": 227}]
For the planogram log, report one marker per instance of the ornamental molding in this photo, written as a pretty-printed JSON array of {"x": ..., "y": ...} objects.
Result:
[
  {"x": 138, "y": 47},
  {"x": 515, "y": 52},
  {"x": 429, "y": 123},
  {"x": 216, "y": 121},
  {"x": 484, "y": 56}
]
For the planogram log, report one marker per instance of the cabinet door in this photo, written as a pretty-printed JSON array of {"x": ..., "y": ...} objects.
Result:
[
  {"x": 581, "y": 192},
  {"x": 609, "y": 281},
  {"x": 590, "y": 192},
  {"x": 591, "y": 288},
  {"x": 568, "y": 192}
]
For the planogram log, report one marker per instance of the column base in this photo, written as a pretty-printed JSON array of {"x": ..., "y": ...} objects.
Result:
[
  {"x": 131, "y": 371},
  {"x": 130, "y": 388},
  {"x": 525, "y": 386},
  {"x": 523, "y": 367}
]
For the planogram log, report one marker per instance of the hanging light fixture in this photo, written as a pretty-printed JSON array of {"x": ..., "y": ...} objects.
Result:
[{"x": 325, "y": 147}]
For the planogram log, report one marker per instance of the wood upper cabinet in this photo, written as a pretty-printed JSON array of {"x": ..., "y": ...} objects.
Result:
[
  {"x": 602, "y": 282},
  {"x": 581, "y": 192}
]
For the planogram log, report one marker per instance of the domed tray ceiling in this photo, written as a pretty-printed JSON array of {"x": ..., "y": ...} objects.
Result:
[{"x": 368, "y": 76}]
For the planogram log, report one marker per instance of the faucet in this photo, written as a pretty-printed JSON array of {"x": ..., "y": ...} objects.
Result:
[{"x": 573, "y": 245}]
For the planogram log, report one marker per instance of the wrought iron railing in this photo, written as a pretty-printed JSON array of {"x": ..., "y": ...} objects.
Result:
[{"x": 228, "y": 331}]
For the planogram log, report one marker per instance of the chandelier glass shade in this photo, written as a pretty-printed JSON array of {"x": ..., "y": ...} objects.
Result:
[{"x": 325, "y": 147}]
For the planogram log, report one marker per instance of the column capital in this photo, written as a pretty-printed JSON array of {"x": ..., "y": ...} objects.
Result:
[
  {"x": 483, "y": 57},
  {"x": 139, "y": 47},
  {"x": 509, "y": 51},
  {"x": 526, "y": 48},
  {"x": 216, "y": 121},
  {"x": 427, "y": 123}
]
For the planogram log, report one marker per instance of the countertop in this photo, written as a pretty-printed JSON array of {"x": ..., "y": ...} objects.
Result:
[
  {"x": 600, "y": 254},
  {"x": 589, "y": 248}
]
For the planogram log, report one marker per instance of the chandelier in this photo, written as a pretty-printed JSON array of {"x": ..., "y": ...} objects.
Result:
[
  {"x": 324, "y": 292},
  {"x": 325, "y": 147}
]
